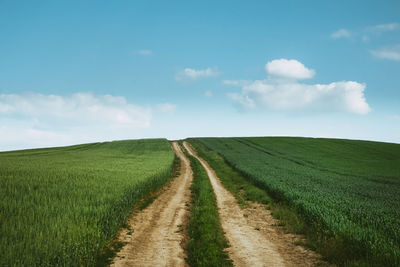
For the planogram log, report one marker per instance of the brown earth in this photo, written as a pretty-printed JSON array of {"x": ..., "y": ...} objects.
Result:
[
  {"x": 254, "y": 238},
  {"x": 158, "y": 231},
  {"x": 157, "y": 236}
]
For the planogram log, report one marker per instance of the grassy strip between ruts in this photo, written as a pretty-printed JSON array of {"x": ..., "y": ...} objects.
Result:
[
  {"x": 243, "y": 190},
  {"x": 207, "y": 240}
]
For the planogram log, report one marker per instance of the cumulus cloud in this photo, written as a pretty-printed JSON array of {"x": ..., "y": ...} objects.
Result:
[
  {"x": 391, "y": 53},
  {"x": 341, "y": 33},
  {"x": 167, "y": 107},
  {"x": 58, "y": 120},
  {"x": 192, "y": 74},
  {"x": 291, "y": 69},
  {"x": 291, "y": 95}
]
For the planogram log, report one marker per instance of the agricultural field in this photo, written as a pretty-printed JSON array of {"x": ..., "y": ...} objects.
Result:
[
  {"x": 347, "y": 191},
  {"x": 61, "y": 206}
]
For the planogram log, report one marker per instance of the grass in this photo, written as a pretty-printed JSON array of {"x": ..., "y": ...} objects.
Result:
[
  {"x": 245, "y": 191},
  {"x": 242, "y": 189},
  {"x": 111, "y": 249},
  {"x": 207, "y": 240},
  {"x": 344, "y": 195},
  {"x": 61, "y": 206},
  {"x": 150, "y": 198}
]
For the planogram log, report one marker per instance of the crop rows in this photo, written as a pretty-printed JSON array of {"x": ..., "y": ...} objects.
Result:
[
  {"x": 348, "y": 190},
  {"x": 60, "y": 206}
]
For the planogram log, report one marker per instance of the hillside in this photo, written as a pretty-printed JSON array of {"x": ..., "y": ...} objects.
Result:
[
  {"x": 347, "y": 190},
  {"x": 60, "y": 206}
]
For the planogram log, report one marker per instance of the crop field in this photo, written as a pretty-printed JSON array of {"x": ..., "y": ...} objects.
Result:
[
  {"x": 60, "y": 206},
  {"x": 349, "y": 191}
]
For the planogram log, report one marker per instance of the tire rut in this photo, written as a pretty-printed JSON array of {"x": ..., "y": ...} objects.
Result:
[
  {"x": 158, "y": 237},
  {"x": 252, "y": 235}
]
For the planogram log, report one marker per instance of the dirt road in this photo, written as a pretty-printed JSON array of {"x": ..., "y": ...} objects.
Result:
[
  {"x": 253, "y": 237},
  {"x": 157, "y": 238}
]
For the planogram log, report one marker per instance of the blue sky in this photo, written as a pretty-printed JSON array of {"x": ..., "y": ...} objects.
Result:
[{"x": 82, "y": 71}]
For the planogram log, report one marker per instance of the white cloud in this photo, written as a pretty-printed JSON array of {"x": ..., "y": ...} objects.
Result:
[
  {"x": 79, "y": 108},
  {"x": 383, "y": 28},
  {"x": 391, "y": 53},
  {"x": 290, "y": 95},
  {"x": 145, "y": 52},
  {"x": 167, "y": 107},
  {"x": 341, "y": 33},
  {"x": 367, "y": 33},
  {"x": 291, "y": 69},
  {"x": 236, "y": 82},
  {"x": 243, "y": 100},
  {"x": 208, "y": 93},
  {"x": 19, "y": 137},
  {"x": 35, "y": 120},
  {"x": 193, "y": 74}
]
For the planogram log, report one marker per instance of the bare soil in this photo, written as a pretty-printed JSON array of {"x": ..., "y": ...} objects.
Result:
[
  {"x": 253, "y": 234},
  {"x": 157, "y": 234}
]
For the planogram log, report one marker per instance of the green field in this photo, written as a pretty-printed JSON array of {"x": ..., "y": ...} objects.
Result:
[
  {"x": 60, "y": 206},
  {"x": 348, "y": 191}
]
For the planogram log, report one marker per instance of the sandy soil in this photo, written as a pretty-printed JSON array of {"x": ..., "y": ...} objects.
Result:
[
  {"x": 158, "y": 235},
  {"x": 254, "y": 238}
]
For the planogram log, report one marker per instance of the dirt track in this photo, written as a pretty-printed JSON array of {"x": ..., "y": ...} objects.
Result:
[
  {"x": 253, "y": 237},
  {"x": 157, "y": 236}
]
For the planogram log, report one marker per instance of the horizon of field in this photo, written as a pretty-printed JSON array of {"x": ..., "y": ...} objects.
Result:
[
  {"x": 196, "y": 137},
  {"x": 343, "y": 188}
]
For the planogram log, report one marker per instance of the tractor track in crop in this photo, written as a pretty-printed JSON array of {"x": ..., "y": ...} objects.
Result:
[{"x": 157, "y": 235}]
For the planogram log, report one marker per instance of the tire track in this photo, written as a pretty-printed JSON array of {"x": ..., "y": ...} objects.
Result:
[
  {"x": 157, "y": 238},
  {"x": 253, "y": 238}
]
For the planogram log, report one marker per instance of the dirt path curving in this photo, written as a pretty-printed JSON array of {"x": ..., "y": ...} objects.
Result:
[
  {"x": 253, "y": 237},
  {"x": 157, "y": 238}
]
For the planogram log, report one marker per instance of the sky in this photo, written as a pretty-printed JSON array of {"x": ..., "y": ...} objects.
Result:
[{"x": 85, "y": 71}]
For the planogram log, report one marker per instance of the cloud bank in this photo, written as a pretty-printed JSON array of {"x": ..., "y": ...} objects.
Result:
[
  {"x": 281, "y": 91},
  {"x": 47, "y": 120},
  {"x": 78, "y": 109}
]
